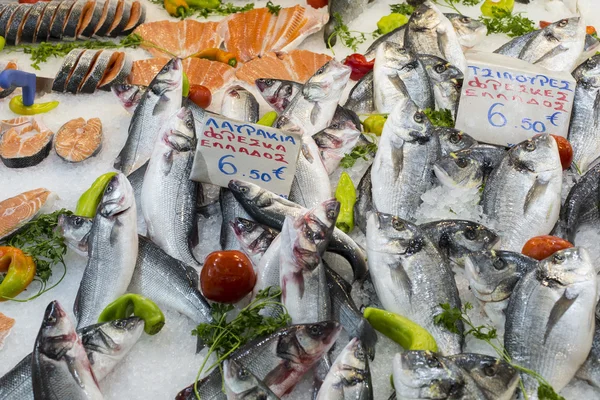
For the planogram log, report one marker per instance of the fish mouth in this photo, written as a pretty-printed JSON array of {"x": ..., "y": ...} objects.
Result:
[
  {"x": 444, "y": 177},
  {"x": 261, "y": 84},
  {"x": 458, "y": 83},
  {"x": 480, "y": 291}
]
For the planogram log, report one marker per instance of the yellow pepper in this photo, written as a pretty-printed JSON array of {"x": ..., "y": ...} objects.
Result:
[
  {"x": 16, "y": 105},
  {"x": 346, "y": 195},
  {"x": 487, "y": 8},
  {"x": 374, "y": 124},
  {"x": 89, "y": 200},
  {"x": 2, "y": 43},
  {"x": 268, "y": 119},
  {"x": 176, "y": 8},
  {"x": 139, "y": 306},
  {"x": 20, "y": 271},
  {"x": 215, "y": 54},
  {"x": 390, "y": 22}
]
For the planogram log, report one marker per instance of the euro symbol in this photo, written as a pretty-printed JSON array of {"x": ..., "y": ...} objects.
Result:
[
  {"x": 278, "y": 172},
  {"x": 552, "y": 118}
]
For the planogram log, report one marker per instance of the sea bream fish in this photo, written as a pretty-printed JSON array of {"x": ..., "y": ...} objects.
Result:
[
  {"x": 361, "y": 98},
  {"x": 453, "y": 140},
  {"x": 278, "y": 92},
  {"x": 241, "y": 384},
  {"x": 582, "y": 206},
  {"x": 550, "y": 318},
  {"x": 522, "y": 196},
  {"x": 254, "y": 238},
  {"x": 161, "y": 100},
  {"x": 411, "y": 277},
  {"x": 590, "y": 370},
  {"x": 335, "y": 142},
  {"x": 112, "y": 252},
  {"x": 168, "y": 195},
  {"x": 468, "y": 168},
  {"x": 446, "y": 82},
  {"x": 398, "y": 74},
  {"x": 60, "y": 368}
]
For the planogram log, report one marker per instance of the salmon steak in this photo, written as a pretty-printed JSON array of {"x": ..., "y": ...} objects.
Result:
[
  {"x": 25, "y": 145},
  {"x": 179, "y": 39},
  {"x": 256, "y": 32},
  {"x": 17, "y": 211},
  {"x": 6, "y": 325},
  {"x": 78, "y": 139},
  {"x": 297, "y": 66}
]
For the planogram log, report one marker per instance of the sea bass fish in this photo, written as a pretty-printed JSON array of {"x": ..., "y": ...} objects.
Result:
[
  {"x": 522, "y": 195},
  {"x": 161, "y": 100},
  {"x": 241, "y": 384},
  {"x": 254, "y": 238},
  {"x": 76, "y": 231},
  {"x": 278, "y": 92},
  {"x": 129, "y": 95},
  {"x": 311, "y": 184},
  {"x": 112, "y": 252},
  {"x": 335, "y": 141}
]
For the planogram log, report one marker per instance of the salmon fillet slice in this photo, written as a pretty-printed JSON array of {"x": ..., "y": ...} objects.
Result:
[
  {"x": 6, "y": 325},
  {"x": 25, "y": 145},
  {"x": 17, "y": 211},
  {"x": 78, "y": 139},
  {"x": 297, "y": 65},
  {"x": 180, "y": 39}
]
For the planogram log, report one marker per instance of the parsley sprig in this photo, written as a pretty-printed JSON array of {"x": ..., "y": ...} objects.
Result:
[
  {"x": 449, "y": 319},
  {"x": 440, "y": 117},
  {"x": 504, "y": 21},
  {"x": 273, "y": 9},
  {"x": 404, "y": 8},
  {"x": 360, "y": 151},
  {"x": 350, "y": 39}
]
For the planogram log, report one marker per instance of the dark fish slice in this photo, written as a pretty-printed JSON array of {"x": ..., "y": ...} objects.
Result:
[
  {"x": 88, "y": 29},
  {"x": 81, "y": 70},
  {"x": 74, "y": 20},
  {"x": 111, "y": 10},
  {"x": 86, "y": 17},
  {"x": 96, "y": 72},
  {"x": 60, "y": 19},
  {"x": 66, "y": 69},
  {"x": 16, "y": 22},
  {"x": 31, "y": 22},
  {"x": 137, "y": 17},
  {"x": 42, "y": 32},
  {"x": 117, "y": 74},
  {"x": 123, "y": 21},
  {"x": 6, "y": 17}
]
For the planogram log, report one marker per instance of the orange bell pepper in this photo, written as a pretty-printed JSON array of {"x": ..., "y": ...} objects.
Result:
[
  {"x": 20, "y": 271},
  {"x": 176, "y": 8},
  {"x": 215, "y": 54}
]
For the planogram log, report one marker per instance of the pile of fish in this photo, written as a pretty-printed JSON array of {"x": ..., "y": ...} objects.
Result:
[{"x": 68, "y": 20}]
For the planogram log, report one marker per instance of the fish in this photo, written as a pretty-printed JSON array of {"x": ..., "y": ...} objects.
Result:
[
  {"x": 42, "y": 29},
  {"x": 87, "y": 29},
  {"x": 494, "y": 377},
  {"x": 514, "y": 47},
  {"x": 431, "y": 32},
  {"x": 397, "y": 74},
  {"x": 162, "y": 100},
  {"x": 60, "y": 368},
  {"x": 108, "y": 17},
  {"x": 347, "y": 11},
  {"x": 31, "y": 22},
  {"x": 335, "y": 141},
  {"x": 136, "y": 179},
  {"x": 117, "y": 72},
  {"x": 59, "y": 20},
  {"x": 25, "y": 145},
  {"x": 80, "y": 70},
  {"x": 7, "y": 12},
  {"x": 412, "y": 278},
  {"x": 16, "y": 22},
  {"x": 552, "y": 312},
  {"x": 343, "y": 115},
  {"x": 493, "y": 274},
  {"x": 112, "y": 252},
  {"x": 522, "y": 196},
  {"x": 313, "y": 108},
  {"x": 270, "y": 209},
  {"x": 348, "y": 314},
  {"x": 278, "y": 92},
  {"x": 129, "y": 95},
  {"x": 231, "y": 210},
  {"x": 66, "y": 69},
  {"x": 104, "y": 62},
  {"x": 453, "y": 140},
  {"x": 361, "y": 98},
  {"x": 254, "y": 238},
  {"x": 78, "y": 139},
  {"x": 401, "y": 170},
  {"x": 446, "y": 82},
  {"x": 76, "y": 231},
  {"x": 239, "y": 104},
  {"x": 168, "y": 195},
  {"x": 456, "y": 239},
  {"x": 311, "y": 184},
  {"x": 122, "y": 15},
  {"x": 349, "y": 376},
  {"x": 136, "y": 18},
  {"x": 364, "y": 201},
  {"x": 80, "y": 11},
  {"x": 468, "y": 168},
  {"x": 582, "y": 206},
  {"x": 241, "y": 384},
  {"x": 590, "y": 370},
  {"x": 585, "y": 117},
  {"x": 18, "y": 210},
  {"x": 253, "y": 33}
]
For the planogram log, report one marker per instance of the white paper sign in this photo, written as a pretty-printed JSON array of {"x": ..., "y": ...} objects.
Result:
[
  {"x": 229, "y": 149},
  {"x": 505, "y": 100}
]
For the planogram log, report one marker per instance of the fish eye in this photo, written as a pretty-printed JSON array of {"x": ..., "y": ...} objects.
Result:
[
  {"x": 320, "y": 70},
  {"x": 261, "y": 396},
  {"x": 417, "y": 13},
  {"x": 109, "y": 188},
  {"x": 455, "y": 138},
  {"x": 335, "y": 125},
  {"x": 499, "y": 264},
  {"x": 461, "y": 162},
  {"x": 243, "y": 189},
  {"x": 288, "y": 90},
  {"x": 331, "y": 214},
  {"x": 489, "y": 370},
  {"x": 418, "y": 117},
  {"x": 359, "y": 354},
  {"x": 315, "y": 330},
  {"x": 590, "y": 63},
  {"x": 119, "y": 323},
  {"x": 559, "y": 258},
  {"x": 465, "y": 20},
  {"x": 563, "y": 22},
  {"x": 269, "y": 82},
  {"x": 432, "y": 362},
  {"x": 530, "y": 146},
  {"x": 470, "y": 233},
  {"x": 78, "y": 221},
  {"x": 397, "y": 224},
  {"x": 242, "y": 374},
  {"x": 411, "y": 65},
  {"x": 440, "y": 68}
]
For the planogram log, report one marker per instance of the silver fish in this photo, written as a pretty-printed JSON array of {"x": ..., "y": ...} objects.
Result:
[
  {"x": 468, "y": 168},
  {"x": 456, "y": 239},
  {"x": 312, "y": 109},
  {"x": 168, "y": 195},
  {"x": 361, "y": 98},
  {"x": 254, "y": 238},
  {"x": 241, "y": 384},
  {"x": 335, "y": 141},
  {"x": 60, "y": 368},
  {"x": 348, "y": 10},
  {"x": 364, "y": 201},
  {"x": 401, "y": 170},
  {"x": 551, "y": 315},
  {"x": 136, "y": 178},
  {"x": 239, "y": 104},
  {"x": 76, "y": 231},
  {"x": 515, "y": 46},
  {"x": 446, "y": 82},
  {"x": 349, "y": 377},
  {"x": 582, "y": 206},
  {"x": 278, "y": 92},
  {"x": 493, "y": 274},
  {"x": 411, "y": 276},
  {"x": 494, "y": 377},
  {"x": 231, "y": 209},
  {"x": 129, "y": 95},
  {"x": 590, "y": 370},
  {"x": 453, "y": 140},
  {"x": 522, "y": 195},
  {"x": 398, "y": 74},
  {"x": 584, "y": 129},
  {"x": 161, "y": 100},
  {"x": 311, "y": 184},
  {"x": 112, "y": 252}
]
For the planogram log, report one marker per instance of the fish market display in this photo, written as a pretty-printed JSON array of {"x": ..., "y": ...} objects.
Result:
[
  {"x": 25, "y": 145},
  {"x": 78, "y": 139}
]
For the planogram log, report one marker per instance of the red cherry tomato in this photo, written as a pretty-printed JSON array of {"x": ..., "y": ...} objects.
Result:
[
  {"x": 359, "y": 65},
  {"x": 565, "y": 150},
  {"x": 227, "y": 276},
  {"x": 200, "y": 95},
  {"x": 317, "y": 3},
  {"x": 541, "y": 247}
]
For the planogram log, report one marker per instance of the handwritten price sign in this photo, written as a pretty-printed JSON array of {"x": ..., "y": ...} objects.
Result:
[
  {"x": 505, "y": 100},
  {"x": 229, "y": 149}
]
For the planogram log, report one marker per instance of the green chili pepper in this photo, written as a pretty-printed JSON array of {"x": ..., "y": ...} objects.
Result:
[
  {"x": 89, "y": 200},
  {"x": 16, "y": 105},
  {"x": 390, "y": 22},
  {"x": 186, "y": 85},
  {"x": 346, "y": 195},
  {"x": 487, "y": 8},
  {"x": 374, "y": 124},
  {"x": 403, "y": 331},
  {"x": 268, "y": 119},
  {"x": 208, "y": 4},
  {"x": 2, "y": 43},
  {"x": 139, "y": 306}
]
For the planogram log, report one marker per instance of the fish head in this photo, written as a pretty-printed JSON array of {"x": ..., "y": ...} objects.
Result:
[
  {"x": 277, "y": 92},
  {"x": 355, "y": 355},
  {"x": 253, "y": 237},
  {"x": 112, "y": 337},
  {"x": 453, "y": 140},
  {"x": 392, "y": 57},
  {"x": 407, "y": 123},
  {"x": 535, "y": 155},
  {"x": 567, "y": 267},
  {"x": 566, "y": 30},
  {"x": 470, "y": 31},
  {"x": 169, "y": 79},
  {"x": 128, "y": 95},
  {"x": 320, "y": 220},
  {"x": 236, "y": 92},
  {"x": 494, "y": 376},
  {"x": 443, "y": 71},
  {"x": 74, "y": 229},
  {"x": 493, "y": 274},
  {"x": 315, "y": 340},
  {"x": 245, "y": 192},
  {"x": 394, "y": 235},
  {"x": 342, "y": 116},
  {"x": 459, "y": 170},
  {"x": 327, "y": 82},
  {"x": 180, "y": 134},
  {"x": 57, "y": 334},
  {"x": 424, "y": 17},
  {"x": 588, "y": 74},
  {"x": 240, "y": 383},
  {"x": 336, "y": 135},
  {"x": 459, "y": 238},
  {"x": 118, "y": 197}
]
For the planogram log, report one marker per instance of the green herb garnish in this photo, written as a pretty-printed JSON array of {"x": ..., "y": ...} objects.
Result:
[
  {"x": 273, "y": 9},
  {"x": 440, "y": 117},
  {"x": 405, "y": 9},
  {"x": 350, "y": 39},
  {"x": 504, "y": 21},
  {"x": 449, "y": 319},
  {"x": 223, "y": 9},
  {"x": 360, "y": 151}
]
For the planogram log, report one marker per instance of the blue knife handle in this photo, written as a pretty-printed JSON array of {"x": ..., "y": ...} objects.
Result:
[{"x": 25, "y": 80}]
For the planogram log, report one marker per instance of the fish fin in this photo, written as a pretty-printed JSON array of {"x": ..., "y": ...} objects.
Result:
[
  {"x": 314, "y": 114},
  {"x": 536, "y": 191},
  {"x": 560, "y": 307},
  {"x": 168, "y": 164},
  {"x": 555, "y": 51},
  {"x": 399, "y": 84},
  {"x": 161, "y": 105},
  {"x": 76, "y": 304},
  {"x": 277, "y": 375},
  {"x": 442, "y": 39},
  {"x": 400, "y": 277}
]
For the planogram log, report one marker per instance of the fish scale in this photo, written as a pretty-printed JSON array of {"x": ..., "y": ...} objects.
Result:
[
  {"x": 5, "y": 18},
  {"x": 42, "y": 31},
  {"x": 96, "y": 72},
  {"x": 60, "y": 19},
  {"x": 31, "y": 22},
  {"x": 18, "y": 18}
]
